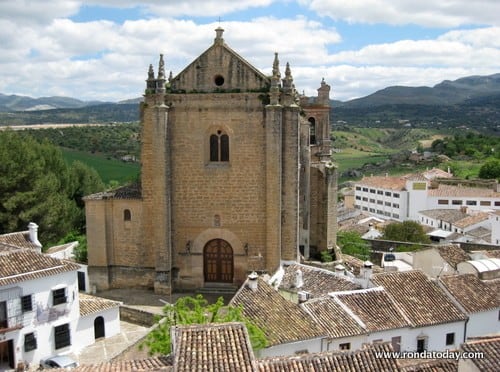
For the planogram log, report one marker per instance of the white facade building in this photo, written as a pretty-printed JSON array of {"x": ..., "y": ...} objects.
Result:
[
  {"x": 41, "y": 312},
  {"x": 402, "y": 198}
]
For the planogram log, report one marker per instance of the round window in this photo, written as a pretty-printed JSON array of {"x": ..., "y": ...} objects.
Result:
[{"x": 219, "y": 80}]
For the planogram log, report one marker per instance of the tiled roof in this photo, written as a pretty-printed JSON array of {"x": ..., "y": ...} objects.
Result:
[
  {"x": 17, "y": 240},
  {"x": 375, "y": 308},
  {"x": 436, "y": 173},
  {"x": 332, "y": 317},
  {"x": 426, "y": 365},
  {"x": 471, "y": 220},
  {"x": 481, "y": 232},
  {"x": 23, "y": 265},
  {"x": 212, "y": 347},
  {"x": 281, "y": 320},
  {"x": 491, "y": 353},
  {"x": 92, "y": 304},
  {"x": 462, "y": 192},
  {"x": 471, "y": 292},
  {"x": 346, "y": 361},
  {"x": 494, "y": 253},
  {"x": 354, "y": 264},
  {"x": 125, "y": 192},
  {"x": 448, "y": 215},
  {"x": 154, "y": 364},
  {"x": 316, "y": 281},
  {"x": 420, "y": 299},
  {"x": 453, "y": 254},
  {"x": 62, "y": 247},
  {"x": 389, "y": 183}
]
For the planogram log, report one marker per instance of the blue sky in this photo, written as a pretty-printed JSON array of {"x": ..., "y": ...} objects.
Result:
[{"x": 102, "y": 49}]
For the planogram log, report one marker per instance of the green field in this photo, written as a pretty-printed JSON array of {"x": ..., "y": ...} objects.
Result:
[{"x": 110, "y": 170}]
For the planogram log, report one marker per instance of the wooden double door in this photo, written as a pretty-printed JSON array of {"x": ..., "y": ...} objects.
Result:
[{"x": 218, "y": 264}]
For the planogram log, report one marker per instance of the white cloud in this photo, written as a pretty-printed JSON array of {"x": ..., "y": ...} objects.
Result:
[
  {"x": 108, "y": 60},
  {"x": 37, "y": 11},
  {"x": 431, "y": 13}
]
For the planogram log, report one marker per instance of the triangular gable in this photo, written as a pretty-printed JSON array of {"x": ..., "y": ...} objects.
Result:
[{"x": 219, "y": 69}]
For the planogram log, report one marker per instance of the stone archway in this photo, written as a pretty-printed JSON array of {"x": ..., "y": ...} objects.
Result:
[{"x": 218, "y": 261}]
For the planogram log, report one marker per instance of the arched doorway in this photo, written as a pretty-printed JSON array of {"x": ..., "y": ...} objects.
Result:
[
  {"x": 218, "y": 265},
  {"x": 99, "y": 327}
]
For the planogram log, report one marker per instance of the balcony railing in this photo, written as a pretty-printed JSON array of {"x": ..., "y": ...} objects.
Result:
[{"x": 11, "y": 322}]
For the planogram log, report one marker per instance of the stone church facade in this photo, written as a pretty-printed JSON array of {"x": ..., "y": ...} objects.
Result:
[{"x": 236, "y": 176}]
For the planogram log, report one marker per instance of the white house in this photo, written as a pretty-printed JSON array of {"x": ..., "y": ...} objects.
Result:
[
  {"x": 437, "y": 323},
  {"x": 358, "y": 317},
  {"x": 478, "y": 300},
  {"x": 288, "y": 328},
  {"x": 41, "y": 313}
]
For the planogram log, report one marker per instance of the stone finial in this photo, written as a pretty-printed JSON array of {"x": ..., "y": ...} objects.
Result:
[
  {"x": 218, "y": 35},
  {"x": 161, "y": 68},
  {"x": 276, "y": 66},
  {"x": 151, "y": 73},
  {"x": 288, "y": 80},
  {"x": 275, "y": 81}
]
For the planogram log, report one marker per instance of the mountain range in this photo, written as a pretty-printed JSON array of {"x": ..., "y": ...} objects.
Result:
[{"x": 472, "y": 101}]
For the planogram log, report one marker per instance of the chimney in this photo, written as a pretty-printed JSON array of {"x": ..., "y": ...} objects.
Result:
[
  {"x": 339, "y": 270},
  {"x": 299, "y": 281},
  {"x": 252, "y": 281},
  {"x": 366, "y": 273},
  {"x": 33, "y": 234}
]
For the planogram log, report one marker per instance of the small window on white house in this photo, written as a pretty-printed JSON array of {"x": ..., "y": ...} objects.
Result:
[
  {"x": 345, "y": 346},
  {"x": 59, "y": 296},
  {"x": 450, "y": 339},
  {"x": 421, "y": 344},
  {"x": 26, "y": 303},
  {"x": 30, "y": 342},
  {"x": 62, "y": 336}
]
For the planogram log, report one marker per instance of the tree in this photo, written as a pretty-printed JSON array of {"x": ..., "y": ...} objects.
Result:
[
  {"x": 37, "y": 185},
  {"x": 406, "y": 231},
  {"x": 490, "y": 169},
  {"x": 196, "y": 310},
  {"x": 352, "y": 244}
]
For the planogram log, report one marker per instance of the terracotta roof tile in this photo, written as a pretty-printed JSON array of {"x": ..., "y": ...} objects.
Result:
[
  {"x": 375, "y": 308},
  {"x": 491, "y": 351},
  {"x": 316, "y": 281},
  {"x": 347, "y": 361},
  {"x": 462, "y": 192},
  {"x": 92, "y": 304},
  {"x": 389, "y": 183},
  {"x": 448, "y": 215},
  {"x": 212, "y": 347},
  {"x": 138, "y": 365},
  {"x": 281, "y": 320},
  {"x": 18, "y": 240},
  {"x": 471, "y": 292},
  {"x": 22, "y": 265},
  {"x": 420, "y": 299},
  {"x": 471, "y": 220},
  {"x": 125, "y": 192},
  {"x": 453, "y": 254},
  {"x": 333, "y": 318},
  {"x": 433, "y": 365}
]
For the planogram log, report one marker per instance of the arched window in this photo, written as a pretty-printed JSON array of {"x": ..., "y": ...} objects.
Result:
[
  {"x": 219, "y": 147},
  {"x": 127, "y": 216},
  {"x": 312, "y": 131}
]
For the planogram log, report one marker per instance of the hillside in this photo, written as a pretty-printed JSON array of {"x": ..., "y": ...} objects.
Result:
[
  {"x": 472, "y": 102},
  {"x": 445, "y": 93}
]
